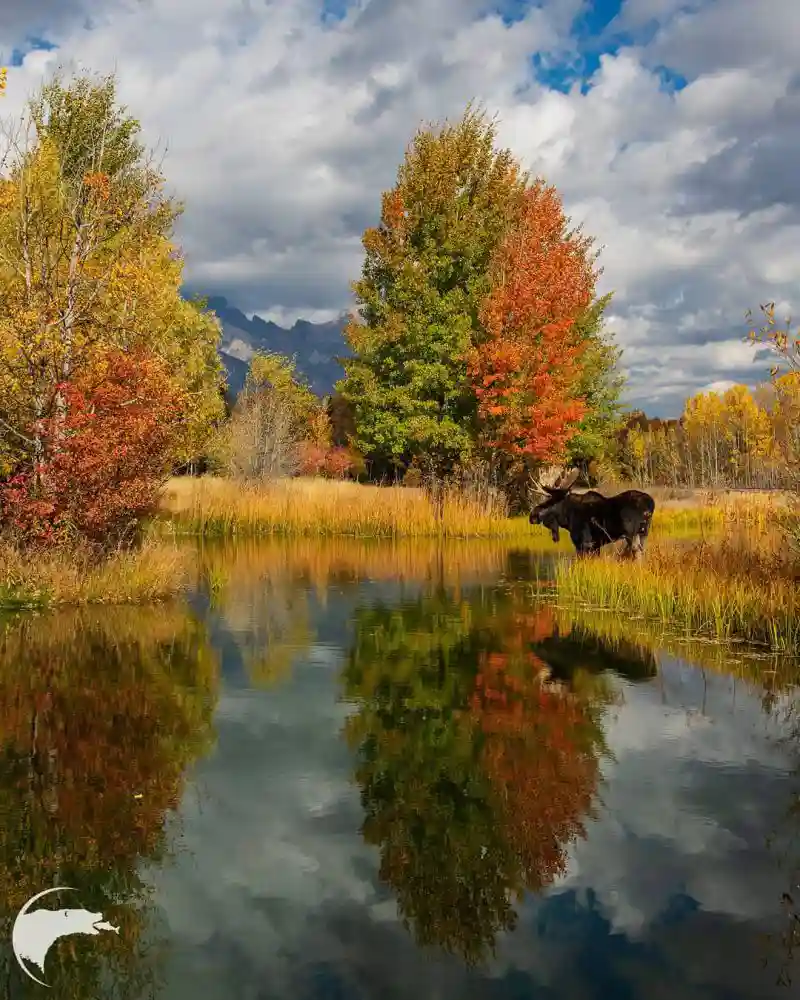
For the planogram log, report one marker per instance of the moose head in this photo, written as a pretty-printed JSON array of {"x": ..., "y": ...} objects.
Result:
[{"x": 550, "y": 512}]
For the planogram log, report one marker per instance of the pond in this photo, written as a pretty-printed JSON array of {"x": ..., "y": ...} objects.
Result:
[{"x": 351, "y": 770}]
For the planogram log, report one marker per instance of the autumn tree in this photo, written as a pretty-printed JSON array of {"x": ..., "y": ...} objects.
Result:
[
  {"x": 786, "y": 417},
  {"x": 465, "y": 240},
  {"x": 423, "y": 280},
  {"x": 728, "y": 435},
  {"x": 778, "y": 339},
  {"x": 526, "y": 371},
  {"x": 88, "y": 264},
  {"x": 103, "y": 467},
  {"x": 278, "y": 426}
]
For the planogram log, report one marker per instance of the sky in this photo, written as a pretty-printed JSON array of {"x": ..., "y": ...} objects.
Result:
[{"x": 671, "y": 130}]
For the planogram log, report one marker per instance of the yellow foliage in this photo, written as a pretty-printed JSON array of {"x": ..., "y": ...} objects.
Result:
[
  {"x": 274, "y": 373},
  {"x": 732, "y": 423},
  {"x": 87, "y": 263}
]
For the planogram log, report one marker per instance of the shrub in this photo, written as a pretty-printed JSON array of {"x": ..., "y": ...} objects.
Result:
[{"x": 106, "y": 454}]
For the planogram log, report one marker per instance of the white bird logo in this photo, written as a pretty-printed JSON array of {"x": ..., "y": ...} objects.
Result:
[{"x": 34, "y": 933}]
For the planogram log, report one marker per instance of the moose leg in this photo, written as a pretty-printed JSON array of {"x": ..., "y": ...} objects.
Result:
[
  {"x": 583, "y": 541},
  {"x": 637, "y": 547}
]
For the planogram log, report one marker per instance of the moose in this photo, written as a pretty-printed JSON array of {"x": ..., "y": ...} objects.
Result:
[{"x": 594, "y": 520}]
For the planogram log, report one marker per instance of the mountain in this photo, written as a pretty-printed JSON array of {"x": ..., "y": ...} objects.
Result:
[{"x": 316, "y": 345}]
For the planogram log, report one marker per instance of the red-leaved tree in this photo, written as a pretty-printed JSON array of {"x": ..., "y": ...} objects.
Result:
[
  {"x": 526, "y": 372},
  {"x": 105, "y": 461}
]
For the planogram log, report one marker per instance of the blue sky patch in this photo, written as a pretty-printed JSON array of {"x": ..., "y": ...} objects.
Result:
[
  {"x": 333, "y": 11},
  {"x": 31, "y": 44}
]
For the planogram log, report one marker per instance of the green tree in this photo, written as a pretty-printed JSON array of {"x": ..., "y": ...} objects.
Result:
[
  {"x": 423, "y": 281},
  {"x": 600, "y": 387}
]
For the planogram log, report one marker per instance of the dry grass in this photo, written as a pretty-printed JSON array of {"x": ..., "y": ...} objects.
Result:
[
  {"x": 215, "y": 506},
  {"x": 673, "y": 497},
  {"x": 308, "y": 506},
  {"x": 735, "y": 585},
  {"x": 157, "y": 571}
]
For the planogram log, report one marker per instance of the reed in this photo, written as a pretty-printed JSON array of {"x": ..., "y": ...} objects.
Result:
[
  {"x": 735, "y": 585},
  {"x": 156, "y": 571},
  {"x": 217, "y": 507},
  {"x": 214, "y": 506},
  {"x": 769, "y": 670}
]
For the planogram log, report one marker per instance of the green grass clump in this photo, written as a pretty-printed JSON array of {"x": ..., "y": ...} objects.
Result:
[{"x": 730, "y": 587}]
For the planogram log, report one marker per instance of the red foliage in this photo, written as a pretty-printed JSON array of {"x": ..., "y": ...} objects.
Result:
[
  {"x": 315, "y": 460},
  {"x": 104, "y": 459},
  {"x": 542, "y": 766},
  {"x": 526, "y": 372},
  {"x": 311, "y": 458}
]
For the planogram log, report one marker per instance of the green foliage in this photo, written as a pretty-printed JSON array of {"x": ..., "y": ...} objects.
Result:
[
  {"x": 89, "y": 128},
  {"x": 474, "y": 776},
  {"x": 424, "y": 277},
  {"x": 601, "y": 386}
]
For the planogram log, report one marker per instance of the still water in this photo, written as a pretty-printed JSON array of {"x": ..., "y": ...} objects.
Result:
[{"x": 355, "y": 771}]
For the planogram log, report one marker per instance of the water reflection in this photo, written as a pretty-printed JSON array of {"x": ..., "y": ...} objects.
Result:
[
  {"x": 556, "y": 803},
  {"x": 478, "y": 755},
  {"x": 100, "y": 714},
  {"x": 784, "y": 841}
]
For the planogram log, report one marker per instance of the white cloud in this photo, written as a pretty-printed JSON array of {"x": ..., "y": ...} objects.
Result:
[{"x": 283, "y": 130}]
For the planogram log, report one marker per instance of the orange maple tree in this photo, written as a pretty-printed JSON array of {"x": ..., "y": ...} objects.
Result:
[
  {"x": 527, "y": 370},
  {"x": 104, "y": 458}
]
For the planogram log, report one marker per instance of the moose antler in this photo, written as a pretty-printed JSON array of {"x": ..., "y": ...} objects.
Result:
[
  {"x": 554, "y": 478},
  {"x": 568, "y": 479}
]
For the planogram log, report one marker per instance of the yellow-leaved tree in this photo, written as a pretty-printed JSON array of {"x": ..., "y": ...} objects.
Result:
[
  {"x": 274, "y": 414},
  {"x": 88, "y": 265},
  {"x": 729, "y": 435}
]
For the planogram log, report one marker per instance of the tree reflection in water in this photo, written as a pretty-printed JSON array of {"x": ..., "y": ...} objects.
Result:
[
  {"x": 100, "y": 715},
  {"x": 477, "y": 763}
]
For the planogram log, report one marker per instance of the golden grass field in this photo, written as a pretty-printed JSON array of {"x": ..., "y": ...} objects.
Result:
[
  {"x": 714, "y": 565},
  {"x": 213, "y": 506},
  {"x": 735, "y": 584}
]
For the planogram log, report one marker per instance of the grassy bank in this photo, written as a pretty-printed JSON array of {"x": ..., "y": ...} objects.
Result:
[
  {"x": 769, "y": 669},
  {"x": 734, "y": 585},
  {"x": 216, "y": 507},
  {"x": 299, "y": 512},
  {"x": 219, "y": 507},
  {"x": 157, "y": 571}
]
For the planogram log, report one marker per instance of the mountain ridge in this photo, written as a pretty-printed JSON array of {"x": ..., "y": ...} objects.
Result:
[{"x": 315, "y": 346}]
